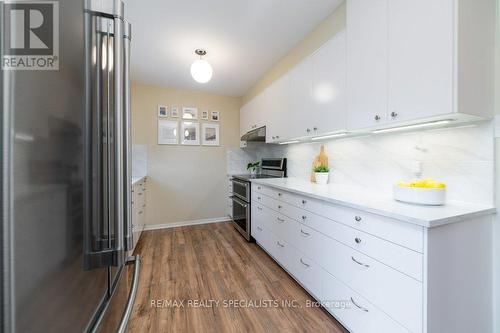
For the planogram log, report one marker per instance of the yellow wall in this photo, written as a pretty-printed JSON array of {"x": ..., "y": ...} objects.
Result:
[
  {"x": 321, "y": 34},
  {"x": 185, "y": 182}
]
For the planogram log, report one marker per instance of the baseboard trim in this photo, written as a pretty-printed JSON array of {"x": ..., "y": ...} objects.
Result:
[{"x": 185, "y": 223}]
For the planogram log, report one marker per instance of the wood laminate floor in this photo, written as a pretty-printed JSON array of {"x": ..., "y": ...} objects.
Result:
[{"x": 211, "y": 263}]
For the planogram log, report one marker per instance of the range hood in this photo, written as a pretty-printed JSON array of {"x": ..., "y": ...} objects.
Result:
[{"x": 256, "y": 135}]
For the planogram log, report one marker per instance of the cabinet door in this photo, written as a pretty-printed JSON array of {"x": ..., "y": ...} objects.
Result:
[
  {"x": 420, "y": 58},
  {"x": 366, "y": 62},
  {"x": 277, "y": 122},
  {"x": 329, "y": 85},
  {"x": 300, "y": 117}
]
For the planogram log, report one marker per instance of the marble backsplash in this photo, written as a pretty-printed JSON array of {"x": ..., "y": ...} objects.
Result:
[{"x": 462, "y": 157}]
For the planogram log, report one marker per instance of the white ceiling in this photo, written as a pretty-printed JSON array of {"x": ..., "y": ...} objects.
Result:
[{"x": 243, "y": 38}]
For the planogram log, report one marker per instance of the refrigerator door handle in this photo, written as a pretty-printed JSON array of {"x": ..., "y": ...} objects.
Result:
[
  {"x": 136, "y": 260},
  {"x": 118, "y": 135},
  {"x": 105, "y": 144},
  {"x": 129, "y": 241}
]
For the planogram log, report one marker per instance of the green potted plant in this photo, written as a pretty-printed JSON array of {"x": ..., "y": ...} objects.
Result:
[
  {"x": 252, "y": 167},
  {"x": 321, "y": 174}
]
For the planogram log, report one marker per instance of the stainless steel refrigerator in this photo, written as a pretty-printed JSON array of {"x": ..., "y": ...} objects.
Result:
[{"x": 66, "y": 219}]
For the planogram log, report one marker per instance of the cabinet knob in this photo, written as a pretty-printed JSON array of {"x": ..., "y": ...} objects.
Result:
[
  {"x": 308, "y": 130},
  {"x": 377, "y": 117},
  {"x": 279, "y": 194},
  {"x": 394, "y": 114},
  {"x": 274, "y": 137},
  {"x": 357, "y": 240},
  {"x": 304, "y": 202},
  {"x": 315, "y": 128},
  {"x": 304, "y": 217},
  {"x": 357, "y": 218},
  {"x": 279, "y": 206},
  {"x": 277, "y": 136}
]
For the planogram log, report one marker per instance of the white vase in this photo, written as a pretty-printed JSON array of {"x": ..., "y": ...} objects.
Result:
[{"x": 321, "y": 178}]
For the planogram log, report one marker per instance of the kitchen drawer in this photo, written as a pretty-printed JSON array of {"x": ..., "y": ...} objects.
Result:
[
  {"x": 400, "y": 258},
  {"x": 259, "y": 197},
  {"x": 279, "y": 249},
  {"x": 257, "y": 229},
  {"x": 405, "y": 234},
  {"x": 307, "y": 272},
  {"x": 279, "y": 224},
  {"x": 398, "y": 295},
  {"x": 354, "y": 311}
]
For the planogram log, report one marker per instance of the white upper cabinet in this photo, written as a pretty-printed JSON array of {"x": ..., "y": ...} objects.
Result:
[
  {"x": 301, "y": 108},
  {"x": 420, "y": 58},
  {"x": 278, "y": 122},
  {"x": 412, "y": 61},
  {"x": 329, "y": 86},
  {"x": 366, "y": 62}
]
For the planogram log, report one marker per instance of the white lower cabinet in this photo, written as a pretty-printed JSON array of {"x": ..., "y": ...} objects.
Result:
[
  {"x": 139, "y": 190},
  {"x": 376, "y": 274},
  {"x": 353, "y": 310}
]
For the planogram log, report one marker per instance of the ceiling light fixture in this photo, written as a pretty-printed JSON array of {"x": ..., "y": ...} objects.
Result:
[
  {"x": 201, "y": 70},
  {"x": 288, "y": 142},
  {"x": 407, "y": 127},
  {"x": 330, "y": 136}
]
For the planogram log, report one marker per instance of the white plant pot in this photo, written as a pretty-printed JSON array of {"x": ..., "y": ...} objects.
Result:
[
  {"x": 420, "y": 196},
  {"x": 321, "y": 178}
]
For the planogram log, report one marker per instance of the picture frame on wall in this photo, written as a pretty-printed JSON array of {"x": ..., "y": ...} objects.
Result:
[
  {"x": 162, "y": 111},
  {"x": 215, "y": 116},
  {"x": 190, "y": 133},
  {"x": 189, "y": 112},
  {"x": 168, "y": 132},
  {"x": 204, "y": 115},
  {"x": 174, "y": 112},
  {"x": 210, "y": 134}
]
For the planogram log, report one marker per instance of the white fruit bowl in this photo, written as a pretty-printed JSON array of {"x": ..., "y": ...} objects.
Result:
[{"x": 419, "y": 195}]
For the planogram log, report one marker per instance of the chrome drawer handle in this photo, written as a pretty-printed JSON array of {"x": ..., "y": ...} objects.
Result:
[
  {"x": 279, "y": 244},
  {"x": 304, "y": 202},
  {"x": 281, "y": 220},
  {"x": 358, "y": 306},
  {"x": 357, "y": 218},
  {"x": 303, "y": 263},
  {"x": 259, "y": 208},
  {"x": 259, "y": 228},
  {"x": 305, "y": 233},
  {"x": 359, "y": 263},
  {"x": 357, "y": 240},
  {"x": 304, "y": 217}
]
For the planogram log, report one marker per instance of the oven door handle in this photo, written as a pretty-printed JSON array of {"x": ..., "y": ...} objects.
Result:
[{"x": 239, "y": 201}]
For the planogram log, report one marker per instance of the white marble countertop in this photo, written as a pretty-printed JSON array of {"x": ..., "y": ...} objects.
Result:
[
  {"x": 137, "y": 178},
  {"x": 359, "y": 198}
]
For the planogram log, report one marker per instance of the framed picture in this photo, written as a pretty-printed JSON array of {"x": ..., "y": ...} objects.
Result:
[
  {"x": 189, "y": 113},
  {"x": 215, "y": 116},
  {"x": 210, "y": 134},
  {"x": 162, "y": 111},
  {"x": 204, "y": 114},
  {"x": 168, "y": 132},
  {"x": 174, "y": 112},
  {"x": 190, "y": 133}
]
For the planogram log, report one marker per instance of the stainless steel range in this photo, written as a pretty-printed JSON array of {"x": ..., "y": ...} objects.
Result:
[{"x": 241, "y": 195}]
